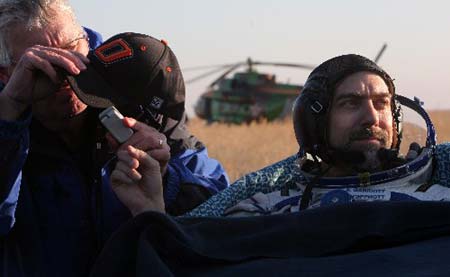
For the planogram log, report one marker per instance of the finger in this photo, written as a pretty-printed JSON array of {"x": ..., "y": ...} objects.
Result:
[
  {"x": 137, "y": 125},
  {"x": 142, "y": 133},
  {"x": 128, "y": 165},
  {"x": 119, "y": 178},
  {"x": 132, "y": 173},
  {"x": 161, "y": 155},
  {"x": 150, "y": 142},
  {"x": 145, "y": 160},
  {"x": 82, "y": 57},
  {"x": 56, "y": 61},
  {"x": 59, "y": 56},
  {"x": 128, "y": 159},
  {"x": 32, "y": 62},
  {"x": 125, "y": 167},
  {"x": 51, "y": 57},
  {"x": 146, "y": 139}
]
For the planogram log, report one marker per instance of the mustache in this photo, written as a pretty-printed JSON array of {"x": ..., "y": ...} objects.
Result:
[{"x": 366, "y": 133}]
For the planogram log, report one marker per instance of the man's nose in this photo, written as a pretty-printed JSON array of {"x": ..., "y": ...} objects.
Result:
[{"x": 370, "y": 115}]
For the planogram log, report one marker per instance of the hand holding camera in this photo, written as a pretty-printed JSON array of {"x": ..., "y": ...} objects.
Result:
[
  {"x": 37, "y": 74},
  {"x": 142, "y": 161}
]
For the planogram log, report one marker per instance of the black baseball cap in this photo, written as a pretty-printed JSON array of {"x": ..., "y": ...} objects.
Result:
[{"x": 132, "y": 71}]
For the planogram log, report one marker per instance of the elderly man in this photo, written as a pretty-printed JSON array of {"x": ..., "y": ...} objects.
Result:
[
  {"x": 347, "y": 121},
  {"x": 57, "y": 205}
]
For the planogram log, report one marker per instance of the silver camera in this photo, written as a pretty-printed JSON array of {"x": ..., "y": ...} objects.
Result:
[{"x": 112, "y": 119}]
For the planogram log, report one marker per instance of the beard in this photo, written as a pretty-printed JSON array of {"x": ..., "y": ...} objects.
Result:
[
  {"x": 371, "y": 162},
  {"x": 362, "y": 155}
]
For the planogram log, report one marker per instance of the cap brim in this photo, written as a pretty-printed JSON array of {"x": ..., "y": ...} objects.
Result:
[{"x": 91, "y": 88}]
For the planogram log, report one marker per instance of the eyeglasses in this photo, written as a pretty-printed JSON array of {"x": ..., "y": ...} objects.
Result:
[{"x": 73, "y": 45}]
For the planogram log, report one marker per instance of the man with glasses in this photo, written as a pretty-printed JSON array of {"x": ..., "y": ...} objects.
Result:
[{"x": 57, "y": 207}]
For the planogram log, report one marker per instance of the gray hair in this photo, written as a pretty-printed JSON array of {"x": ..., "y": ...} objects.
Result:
[{"x": 33, "y": 14}]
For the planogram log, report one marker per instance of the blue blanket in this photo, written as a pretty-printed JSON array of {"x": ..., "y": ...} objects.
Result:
[{"x": 357, "y": 239}]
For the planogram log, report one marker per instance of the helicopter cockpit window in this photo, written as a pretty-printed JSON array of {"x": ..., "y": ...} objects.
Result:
[
  {"x": 236, "y": 84},
  {"x": 267, "y": 78}
]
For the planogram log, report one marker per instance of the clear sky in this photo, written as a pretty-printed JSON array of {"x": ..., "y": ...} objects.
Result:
[{"x": 204, "y": 32}]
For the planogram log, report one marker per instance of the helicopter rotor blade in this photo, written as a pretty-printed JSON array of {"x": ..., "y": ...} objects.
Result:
[
  {"x": 232, "y": 68},
  {"x": 304, "y": 66},
  {"x": 377, "y": 58},
  {"x": 193, "y": 68},
  {"x": 206, "y": 74}
]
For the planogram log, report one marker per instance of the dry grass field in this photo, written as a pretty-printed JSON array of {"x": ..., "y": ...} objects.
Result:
[{"x": 246, "y": 148}]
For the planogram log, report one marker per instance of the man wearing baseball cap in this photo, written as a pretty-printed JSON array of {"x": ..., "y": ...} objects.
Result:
[
  {"x": 140, "y": 76},
  {"x": 63, "y": 190}
]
